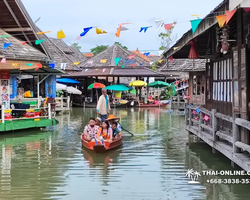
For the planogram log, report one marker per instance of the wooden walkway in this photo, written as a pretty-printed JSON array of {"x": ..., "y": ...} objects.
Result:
[{"x": 204, "y": 124}]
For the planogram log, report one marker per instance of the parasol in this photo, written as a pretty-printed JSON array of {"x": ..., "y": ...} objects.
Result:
[
  {"x": 117, "y": 88},
  {"x": 138, "y": 83},
  {"x": 158, "y": 84},
  {"x": 96, "y": 86}
]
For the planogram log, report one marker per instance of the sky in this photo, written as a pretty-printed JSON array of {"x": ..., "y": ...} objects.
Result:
[{"x": 73, "y": 15}]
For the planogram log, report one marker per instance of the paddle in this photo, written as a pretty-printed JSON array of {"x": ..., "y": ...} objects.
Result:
[{"x": 127, "y": 131}]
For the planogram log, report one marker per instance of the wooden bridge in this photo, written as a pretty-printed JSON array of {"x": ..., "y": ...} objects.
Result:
[{"x": 205, "y": 125}]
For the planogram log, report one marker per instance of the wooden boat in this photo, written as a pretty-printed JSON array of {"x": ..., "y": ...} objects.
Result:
[
  {"x": 152, "y": 105},
  {"x": 99, "y": 148}
]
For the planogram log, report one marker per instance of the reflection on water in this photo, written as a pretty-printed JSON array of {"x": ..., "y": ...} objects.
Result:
[{"x": 51, "y": 163}]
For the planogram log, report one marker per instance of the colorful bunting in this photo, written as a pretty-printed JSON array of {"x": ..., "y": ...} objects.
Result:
[
  {"x": 100, "y": 31},
  {"x": 193, "y": 54},
  {"x": 146, "y": 54},
  {"x": 14, "y": 64},
  {"x": 128, "y": 61},
  {"x": 168, "y": 26},
  {"x": 123, "y": 66},
  {"x": 60, "y": 34},
  {"x": 103, "y": 60},
  {"x": 159, "y": 24},
  {"x": 29, "y": 64},
  {"x": 247, "y": 9},
  {"x": 40, "y": 33},
  {"x": 90, "y": 62},
  {"x": 76, "y": 63},
  {"x": 132, "y": 65},
  {"x": 6, "y": 45},
  {"x": 104, "y": 70},
  {"x": 131, "y": 57},
  {"x": 78, "y": 37},
  {"x": 160, "y": 61},
  {"x": 195, "y": 15},
  {"x": 171, "y": 58},
  {"x": 154, "y": 67},
  {"x": 123, "y": 28},
  {"x": 175, "y": 48},
  {"x": 39, "y": 65},
  {"x": 144, "y": 29},
  {"x": 119, "y": 29},
  {"x": 23, "y": 43},
  {"x": 63, "y": 66},
  {"x": 85, "y": 31},
  {"x": 4, "y": 36},
  {"x": 117, "y": 60},
  {"x": 3, "y": 60},
  {"x": 52, "y": 65},
  {"x": 221, "y": 20},
  {"x": 229, "y": 15},
  {"x": 195, "y": 23},
  {"x": 39, "y": 41}
]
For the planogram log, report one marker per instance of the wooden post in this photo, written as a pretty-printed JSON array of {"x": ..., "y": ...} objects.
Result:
[
  {"x": 49, "y": 110},
  {"x": 215, "y": 125},
  {"x": 3, "y": 108},
  {"x": 190, "y": 117},
  {"x": 61, "y": 101},
  {"x": 200, "y": 122},
  {"x": 147, "y": 89},
  {"x": 68, "y": 102},
  {"x": 236, "y": 133},
  {"x": 187, "y": 115}
]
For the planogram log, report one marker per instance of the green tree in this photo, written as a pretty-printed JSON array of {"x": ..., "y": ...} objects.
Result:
[
  {"x": 167, "y": 38},
  {"x": 76, "y": 45},
  {"x": 124, "y": 47},
  {"x": 98, "y": 49}
]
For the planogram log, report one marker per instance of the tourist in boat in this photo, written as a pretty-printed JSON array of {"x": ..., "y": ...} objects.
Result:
[
  {"x": 112, "y": 119},
  {"x": 103, "y": 106},
  {"x": 116, "y": 132},
  {"x": 90, "y": 130},
  {"x": 150, "y": 98},
  {"x": 98, "y": 121},
  {"x": 104, "y": 132}
]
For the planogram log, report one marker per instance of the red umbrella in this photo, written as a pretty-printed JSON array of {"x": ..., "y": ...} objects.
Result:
[
  {"x": 193, "y": 54},
  {"x": 96, "y": 86}
]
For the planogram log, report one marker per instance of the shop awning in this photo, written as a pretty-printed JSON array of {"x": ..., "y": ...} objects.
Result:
[{"x": 66, "y": 80}]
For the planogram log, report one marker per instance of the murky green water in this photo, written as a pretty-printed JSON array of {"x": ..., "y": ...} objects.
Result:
[{"x": 51, "y": 164}]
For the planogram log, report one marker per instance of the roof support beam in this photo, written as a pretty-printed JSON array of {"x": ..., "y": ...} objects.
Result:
[
  {"x": 16, "y": 29},
  {"x": 16, "y": 20}
]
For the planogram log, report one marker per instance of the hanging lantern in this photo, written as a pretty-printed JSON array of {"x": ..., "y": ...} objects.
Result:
[
  {"x": 183, "y": 80},
  {"x": 193, "y": 54}
]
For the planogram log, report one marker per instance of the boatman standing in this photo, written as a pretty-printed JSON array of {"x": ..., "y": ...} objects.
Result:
[{"x": 103, "y": 105}]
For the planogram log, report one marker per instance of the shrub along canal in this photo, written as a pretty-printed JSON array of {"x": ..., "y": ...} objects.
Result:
[{"x": 51, "y": 164}]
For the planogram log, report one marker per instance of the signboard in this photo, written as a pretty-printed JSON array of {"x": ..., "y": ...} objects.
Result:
[
  {"x": 5, "y": 96},
  {"x": 4, "y": 74}
]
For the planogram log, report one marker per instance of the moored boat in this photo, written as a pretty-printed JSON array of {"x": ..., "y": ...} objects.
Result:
[{"x": 100, "y": 148}]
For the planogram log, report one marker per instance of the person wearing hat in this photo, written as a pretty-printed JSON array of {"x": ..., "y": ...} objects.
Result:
[
  {"x": 112, "y": 119},
  {"x": 103, "y": 105},
  {"x": 98, "y": 121}
]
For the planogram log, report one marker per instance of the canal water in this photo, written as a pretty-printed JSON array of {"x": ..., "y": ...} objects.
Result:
[{"x": 51, "y": 164}]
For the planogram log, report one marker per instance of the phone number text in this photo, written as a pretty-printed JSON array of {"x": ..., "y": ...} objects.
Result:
[{"x": 228, "y": 181}]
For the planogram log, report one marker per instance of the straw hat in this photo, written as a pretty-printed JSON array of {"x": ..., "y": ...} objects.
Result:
[
  {"x": 111, "y": 117},
  {"x": 99, "y": 119}
]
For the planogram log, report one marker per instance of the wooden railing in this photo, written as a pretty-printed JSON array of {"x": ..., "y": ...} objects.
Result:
[
  {"x": 208, "y": 121},
  {"x": 177, "y": 102}
]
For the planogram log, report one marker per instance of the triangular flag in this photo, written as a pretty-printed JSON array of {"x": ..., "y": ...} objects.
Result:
[
  {"x": 63, "y": 66},
  {"x": 159, "y": 24},
  {"x": 78, "y": 37},
  {"x": 14, "y": 64},
  {"x": 195, "y": 15},
  {"x": 229, "y": 15},
  {"x": 146, "y": 54},
  {"x": 103, "y": 60},
  {"x": 3, "y": 60},
  {"x": 160, "y": 61},
  {"x": 86, "y": 70},
  {"x": 171, "y": 58},
  {"x": 124, "y": 28},
  {"x": 195, "y": 23},
  {"x": 175, "y": 48},
  {"x": 29, "y": 64},
  {"x": 132, "y": 65},
  {"x": 221, "y": 20},
  {"x": 131, "y": 57},
  {"x": 123, "y": 66},
  {"x": 104, "y": 70},
  {"x": 23, "y": 43},
  {"x": 117, "y": 60},
  {"x": 6, "y": 45},
  {"x": 60, "y": 34},
  {"x": 247, "y": 9},
  {"x": 39, "y": 41},
  {"x": 119, "y": 29},
  {"x": 104, "y": 32},
  {"x": 4, "y": 36},
  {"x": 52, "y": 65},
  {"x": 40, "y": 33},
  {"x": 154, "y": 67},
  {"x": 141, "y": 63},
  {"x": 76, "y": 63},
  {"x": 100, "y": 31},
  {"x": 90, "y": 62},
  {"x": 168, "y": 26},
  {"x": 144, "y": 28},
  {"x": 85, "y": 31},
  {"x": 44, "y": 66}
]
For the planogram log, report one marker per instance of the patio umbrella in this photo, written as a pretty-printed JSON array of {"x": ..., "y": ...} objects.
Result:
[
  {"x": 96, "y": 86},
  {"x": 117, "y": 88},
  {"x": 138, "y": 83},
  {"x": 158, "y": 84},
  {"x": 66, "y": 80},
  {"x": 60, "y": 86},
  {"x": 72, "y": 90}
]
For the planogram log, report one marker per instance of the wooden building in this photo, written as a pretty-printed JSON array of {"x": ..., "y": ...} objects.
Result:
[{"x": 227, "y": 104}]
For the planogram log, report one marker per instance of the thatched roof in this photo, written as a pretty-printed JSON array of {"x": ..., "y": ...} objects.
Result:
[
  {"x": 184, "y": 65},
  {"x": 112, "y": 52},
  {"x": 117, "y": 72},
  {"x": 18, "y": 51}
]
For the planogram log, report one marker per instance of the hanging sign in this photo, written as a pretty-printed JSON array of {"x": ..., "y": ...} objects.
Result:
[{"x": 4, "y": 74}]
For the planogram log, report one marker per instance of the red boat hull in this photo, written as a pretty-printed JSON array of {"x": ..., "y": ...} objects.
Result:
[{"x": 101, "y": 148}]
